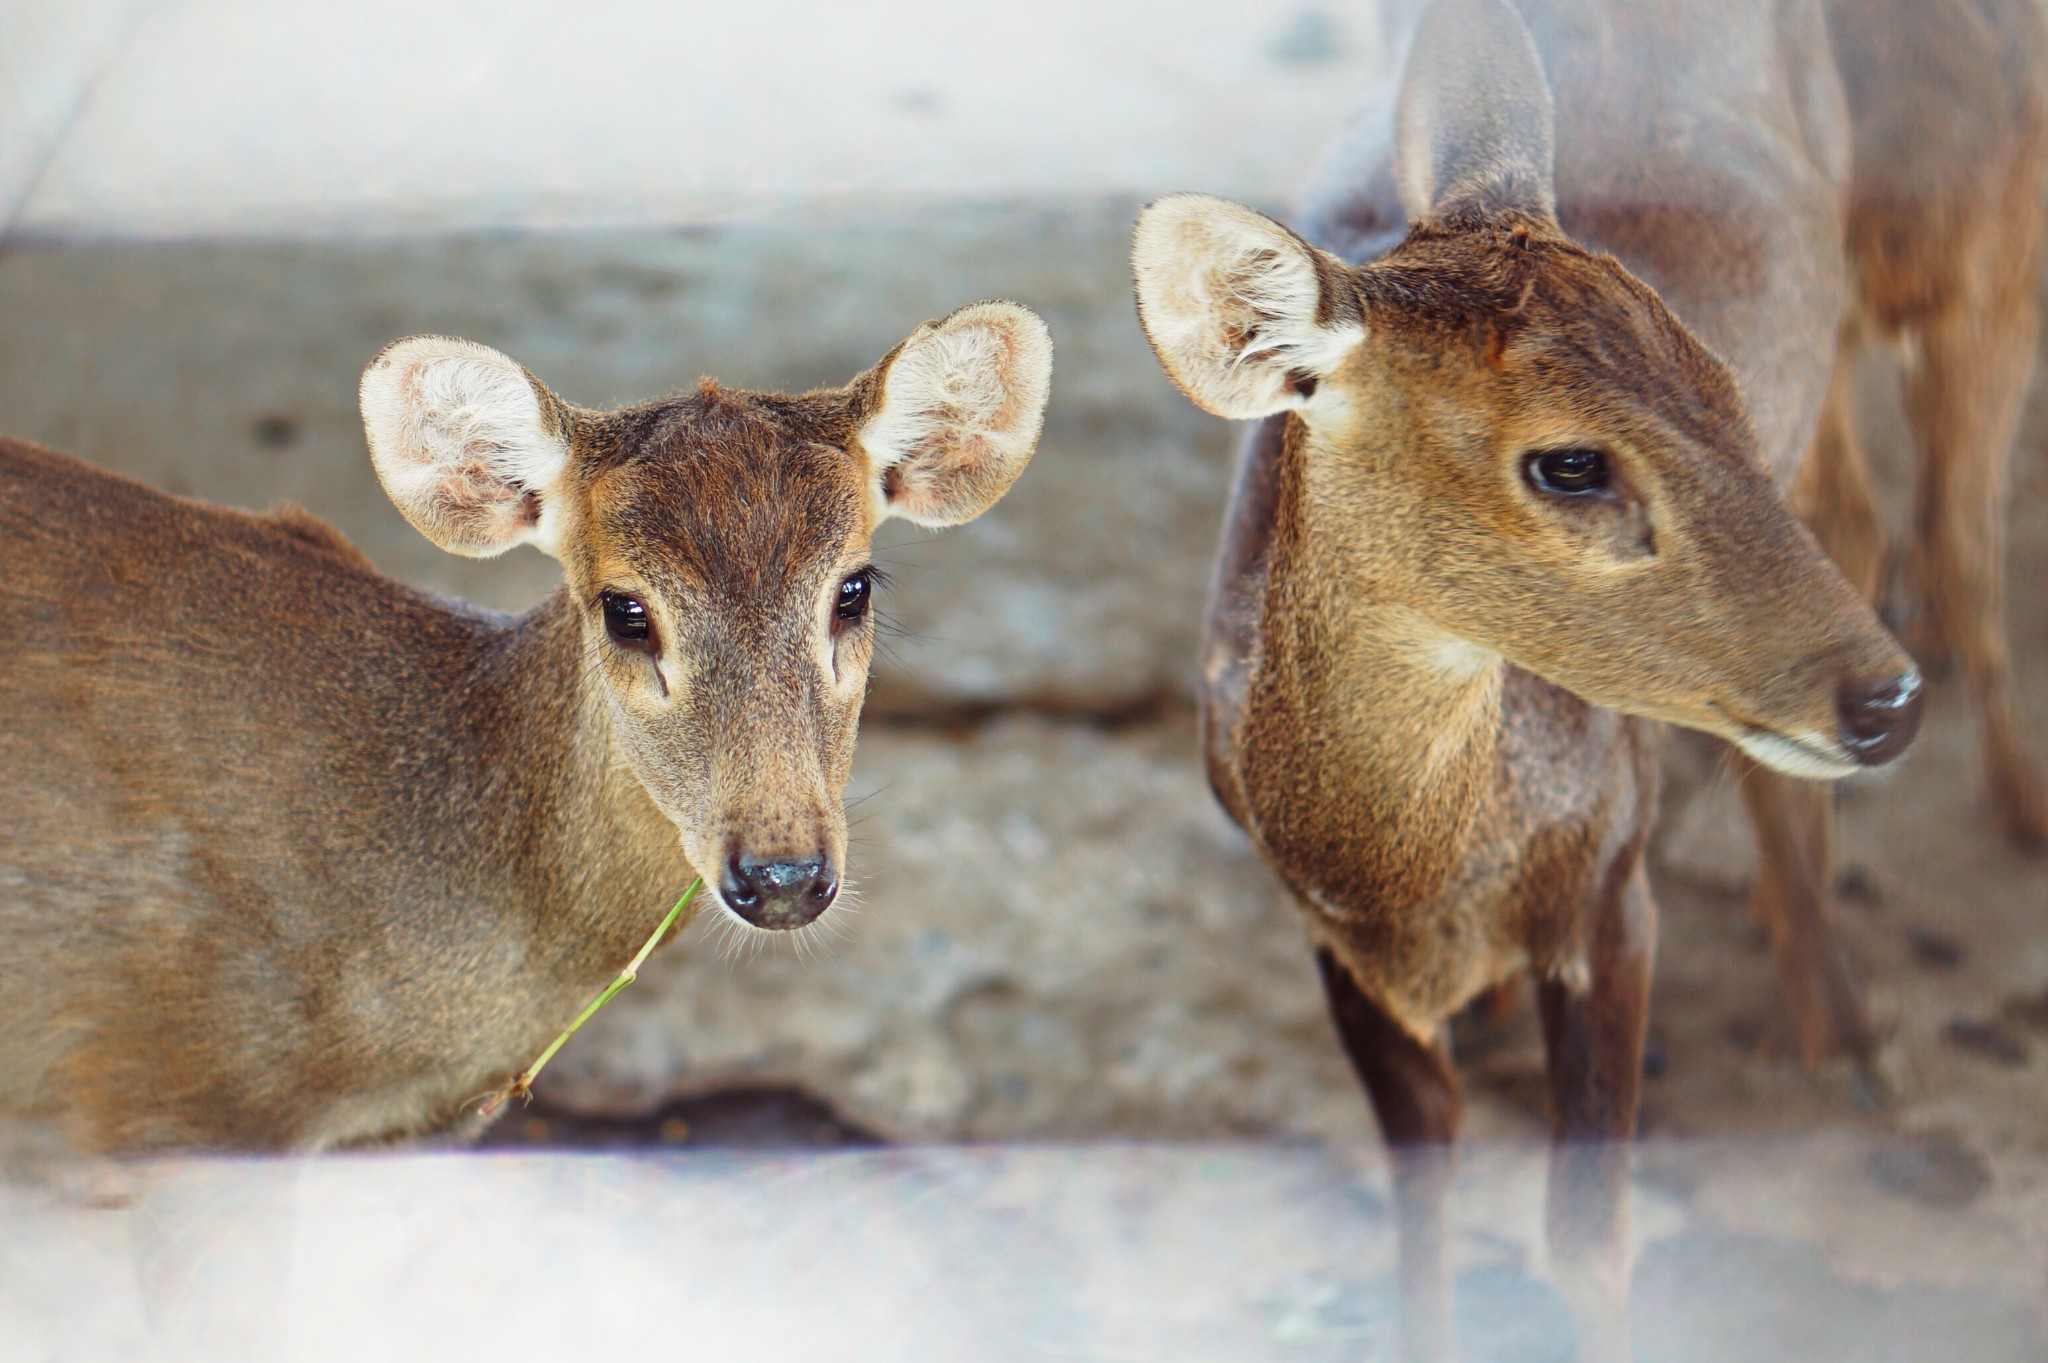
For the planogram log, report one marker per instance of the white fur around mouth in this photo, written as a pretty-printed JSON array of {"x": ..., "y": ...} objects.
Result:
[
  {"x": 740, "y": 940},
  {"x": 748, "y": 927},
  {"x": 1804, "y": 757}
]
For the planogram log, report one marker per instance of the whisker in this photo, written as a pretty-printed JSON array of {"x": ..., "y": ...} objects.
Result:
[{"x": 857, "y": 801}]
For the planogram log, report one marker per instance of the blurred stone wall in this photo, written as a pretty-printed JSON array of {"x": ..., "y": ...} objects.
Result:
[
  {"x": 228, "y": 371},
  {"x": 1056, "y": 931}
]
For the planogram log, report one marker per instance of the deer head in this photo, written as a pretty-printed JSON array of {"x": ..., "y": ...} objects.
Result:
[
  {"x": 716, "y": 548},
  {"x": 1512, "y": 439}
]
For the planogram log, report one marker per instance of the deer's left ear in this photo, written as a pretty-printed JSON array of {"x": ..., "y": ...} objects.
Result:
[{"x": 952, "y": 415}]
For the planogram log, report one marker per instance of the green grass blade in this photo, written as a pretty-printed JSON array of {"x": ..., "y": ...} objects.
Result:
[{"x": 522, "y": 1087}]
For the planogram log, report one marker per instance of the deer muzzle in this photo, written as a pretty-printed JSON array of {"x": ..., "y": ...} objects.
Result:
[
  {"x": 779, "y": 895},
  {"x": 1878, "y": 721}
]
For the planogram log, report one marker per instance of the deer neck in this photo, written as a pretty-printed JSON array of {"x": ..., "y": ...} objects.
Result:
[
  {"x": 582, "y": 853},
  {"x": 1382, "y": 728}
]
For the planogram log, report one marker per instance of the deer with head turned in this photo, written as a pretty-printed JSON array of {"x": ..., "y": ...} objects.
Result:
[
  {"x": 1532, "y": 392},
  {"x": 294, "y": 857}
]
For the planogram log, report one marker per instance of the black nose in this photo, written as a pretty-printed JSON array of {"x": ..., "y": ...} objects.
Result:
[
  {"x": 1878, "y": 722},
  {"x": 778, "y": 894}
]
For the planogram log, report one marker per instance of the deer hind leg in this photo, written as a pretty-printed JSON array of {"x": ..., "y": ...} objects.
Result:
[
  {"x": 1415, "y": 1095},
  {"x": 1832, "y": 491},
  {"x": 1963, "y": 399},
  {"x": 1593, "y": 1037}
]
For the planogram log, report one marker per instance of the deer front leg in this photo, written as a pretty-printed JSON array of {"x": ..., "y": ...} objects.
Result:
[
  {"x": 1793, "y": 819},
  {"x": 1792, "y": 897},
  {"x": 1593, "y": 1026},
  {"x": 1415, "y": 1095}
]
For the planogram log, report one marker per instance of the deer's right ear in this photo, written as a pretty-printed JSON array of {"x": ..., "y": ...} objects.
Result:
[
  {"x": 465, "y": 445},
  {"x": 1244, "y": 315},
  {"x": 1473, "y": 122}
]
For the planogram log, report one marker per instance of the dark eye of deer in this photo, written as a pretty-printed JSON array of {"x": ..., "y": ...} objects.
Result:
[
  {"x": 853, "y": 597},
  {"x": 627, "y": 621},
  {"x": 1568, "y": 473}
]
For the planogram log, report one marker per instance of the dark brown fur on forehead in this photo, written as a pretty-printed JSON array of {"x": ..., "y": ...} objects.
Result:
[
  {"x": 729, "y": 492},
  {"x": 1488, "y": 283}
]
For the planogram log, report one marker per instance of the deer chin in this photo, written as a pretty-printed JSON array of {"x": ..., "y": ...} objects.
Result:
[{"x": 1807, "y": 756}]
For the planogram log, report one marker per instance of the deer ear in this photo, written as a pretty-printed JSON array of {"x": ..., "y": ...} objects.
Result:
[
  {"x": 467, "y": 444},
  {"x": 1473, "y": 122},
  {"x": 952, "y": 415},
  {"x": 1244, "y": 315}
]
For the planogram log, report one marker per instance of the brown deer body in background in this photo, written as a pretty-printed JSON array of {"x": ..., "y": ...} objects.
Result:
[
  {"x": 1505, "y": 508},
  {"x": 292, "y": 856},
  {"x": 1948, "y": 106}
]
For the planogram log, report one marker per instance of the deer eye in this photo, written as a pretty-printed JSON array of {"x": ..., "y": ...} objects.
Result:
[
  {"x": 1568, "y": 473},
  {"x": 854, "y": 595},
  {"x": 627, "y": 621}
]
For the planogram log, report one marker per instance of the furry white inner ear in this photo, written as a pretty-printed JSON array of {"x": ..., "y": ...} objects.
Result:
[
  {"x": 459, "y": 440},
  {"x": 962, "y": 405},
  {"x": 1230, "y": 300}
]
